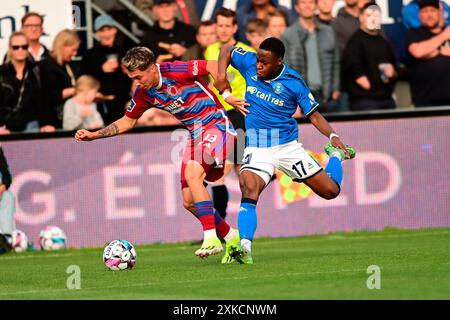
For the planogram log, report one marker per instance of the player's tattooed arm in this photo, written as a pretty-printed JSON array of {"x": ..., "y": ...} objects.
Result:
[
  {"x": 109, "y": 131},
  {"x": 120, "y": 126}
]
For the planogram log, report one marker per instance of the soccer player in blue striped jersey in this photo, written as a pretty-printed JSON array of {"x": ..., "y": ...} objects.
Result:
[{"x": 274, "y": 92}]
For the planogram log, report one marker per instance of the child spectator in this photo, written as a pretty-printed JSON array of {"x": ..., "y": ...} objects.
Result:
[
  {"x": 80, "y": 112},
  {"x": 256, "y": 32}
]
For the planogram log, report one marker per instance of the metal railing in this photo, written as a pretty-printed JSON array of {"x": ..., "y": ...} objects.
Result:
[{"x": 90, "y": 7}]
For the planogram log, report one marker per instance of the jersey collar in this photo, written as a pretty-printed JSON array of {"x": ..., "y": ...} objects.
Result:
[{"x": 160, "y": 78}]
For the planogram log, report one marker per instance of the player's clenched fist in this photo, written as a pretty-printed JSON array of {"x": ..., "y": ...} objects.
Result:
[{"x": 84, "y": 135}]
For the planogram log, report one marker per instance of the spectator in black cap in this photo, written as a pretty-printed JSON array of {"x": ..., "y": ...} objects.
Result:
[
  {"x": 169, "y": 38},
  {"x": 429, "y": 50},
  {"x": 410, "y": 14},
  {"x": 103, "y": 63}
]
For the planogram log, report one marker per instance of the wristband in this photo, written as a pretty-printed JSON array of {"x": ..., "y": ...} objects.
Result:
[
  {"x": 333, "y": 135},
  {"x": 226, "y": 94}
]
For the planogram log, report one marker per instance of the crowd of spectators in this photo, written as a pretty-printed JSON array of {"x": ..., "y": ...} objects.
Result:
[{"x": 348, "y": 62}]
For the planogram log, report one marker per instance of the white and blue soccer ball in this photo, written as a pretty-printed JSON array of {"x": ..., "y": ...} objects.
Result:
[
  {"x": 119, "y": 255},
  {"x": 52, "y": 238},
  {"x": 19, "y": 241}
]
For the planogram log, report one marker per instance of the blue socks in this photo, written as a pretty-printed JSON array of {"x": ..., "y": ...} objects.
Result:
[
  {"x": 334, "y": 170},
  {"x": 247, "y": 220}
]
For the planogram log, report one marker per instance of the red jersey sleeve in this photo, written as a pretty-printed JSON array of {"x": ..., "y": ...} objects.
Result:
[
  {"x": 184, "y": 70},
  {"x": 138, "y": 105}
]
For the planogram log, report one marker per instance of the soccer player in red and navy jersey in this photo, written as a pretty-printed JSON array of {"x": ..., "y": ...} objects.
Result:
[{"x": 177, "y": 88}]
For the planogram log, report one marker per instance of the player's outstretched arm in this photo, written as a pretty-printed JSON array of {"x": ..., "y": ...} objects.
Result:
[
  {"x": 325, "y": 128},
  {"x": 211, "y": 67},
  {"x": 122, "y": 125},
  {"x": 221, "y": 83}
]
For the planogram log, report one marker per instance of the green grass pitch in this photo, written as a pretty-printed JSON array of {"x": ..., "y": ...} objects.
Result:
[{"x": 414, "y": 264}]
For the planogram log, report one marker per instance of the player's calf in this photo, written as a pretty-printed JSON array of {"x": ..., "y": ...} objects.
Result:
[{"x": 251, "y": 185}]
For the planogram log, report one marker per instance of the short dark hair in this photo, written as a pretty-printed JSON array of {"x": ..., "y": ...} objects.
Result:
[
  {"x": 138, "y": 58},
  {"x": 32, "y": 14},
  {"x": 206, "y": 23},
  {"x": 224, "y": 12},
  {"x": 273, "y": 45}
]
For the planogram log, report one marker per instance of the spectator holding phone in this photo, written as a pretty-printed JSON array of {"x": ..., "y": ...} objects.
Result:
[
  {"x": 368, "y": 61},
  {"x": 103, "y": 63}
]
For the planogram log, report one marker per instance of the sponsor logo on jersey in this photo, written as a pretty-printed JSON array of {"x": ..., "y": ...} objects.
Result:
[
  {"x": 175, "y": 106},
  {"x": 131, "y": 106},
  {"x": 252, "y": 90},
  {"x": 172, "y": 91},
  {"x": 278, "y": 88},
  {"x": 195, "y": 68},
  {"x": 265, "y": 96}
]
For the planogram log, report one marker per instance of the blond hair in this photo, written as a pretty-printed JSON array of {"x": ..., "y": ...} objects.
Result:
[
  {"x": 12, "y": 36},
  {"x": 138, "y": 58},
  {"x": 85, "y": 83},
  {"x": 63, "y": 39}
]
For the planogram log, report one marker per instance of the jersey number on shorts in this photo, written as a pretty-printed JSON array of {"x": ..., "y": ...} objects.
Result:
[
  {"x": 208, "y": 140},
  {"x": 248, "y": 158},
  {"x": 295, "y": 167}
]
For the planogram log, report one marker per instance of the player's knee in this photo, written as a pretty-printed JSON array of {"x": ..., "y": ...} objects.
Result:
[
  {"x": 194, "y": 175},
  {"x": 330, "y": 192}
]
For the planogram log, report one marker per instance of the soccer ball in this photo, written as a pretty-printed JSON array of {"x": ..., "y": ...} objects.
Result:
[
  {"x": 52, "y": 238},
  {"x": 119, "y": 255},
  {"x": 19, "y": 241}
]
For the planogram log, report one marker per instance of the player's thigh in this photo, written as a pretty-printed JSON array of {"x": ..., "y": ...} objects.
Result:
[
  {"x": 323, "y": 185},
  {"x": 260, "y": 163},
  {"x": 194, "y": 171},
  {"x": 296, "y": 162}
]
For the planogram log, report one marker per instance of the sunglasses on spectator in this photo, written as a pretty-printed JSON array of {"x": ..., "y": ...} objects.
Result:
[{"x": 24, "y": 47}]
